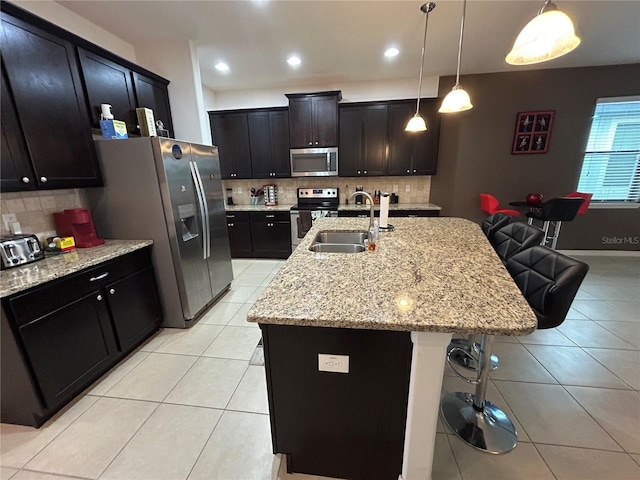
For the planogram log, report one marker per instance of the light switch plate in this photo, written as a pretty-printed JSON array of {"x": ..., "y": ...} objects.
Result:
[
  {"x": 407, "y": 188},
  {"x": 333, "y": 363},
  {"x": 8, "y": 219}
]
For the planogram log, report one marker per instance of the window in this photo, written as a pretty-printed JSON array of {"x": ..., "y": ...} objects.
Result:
[{"x": 611, "y": 167}]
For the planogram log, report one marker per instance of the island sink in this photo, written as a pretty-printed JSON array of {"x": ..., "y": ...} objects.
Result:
[{"x": 339, "y": 242}]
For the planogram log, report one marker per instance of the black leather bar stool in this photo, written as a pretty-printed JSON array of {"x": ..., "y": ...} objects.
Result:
[
  {"x": 549, "y": 281},
  {"x": 493, "y": 223},
  {"x": 509, "y": 240},
  {"x": 554, "y": 212}
]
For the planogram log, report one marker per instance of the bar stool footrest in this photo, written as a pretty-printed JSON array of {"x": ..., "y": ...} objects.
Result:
[{"x": 490, "y": 430}]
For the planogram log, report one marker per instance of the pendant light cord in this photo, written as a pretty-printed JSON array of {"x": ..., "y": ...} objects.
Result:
[
  {"x": 464, "y": 9},
  {"x": 426, "y": 8}
]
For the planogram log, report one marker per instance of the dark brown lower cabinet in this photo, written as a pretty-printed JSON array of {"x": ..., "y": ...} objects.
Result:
[
  {"x": 59, "y": 337},
  {"x": 343, "y": 425},
  {"x": 259, "y": 234}
]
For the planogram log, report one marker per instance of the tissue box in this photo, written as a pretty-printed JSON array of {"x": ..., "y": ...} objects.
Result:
[
  {"x": 113, "y": 129},
  {"x": 146, "y": 122}
]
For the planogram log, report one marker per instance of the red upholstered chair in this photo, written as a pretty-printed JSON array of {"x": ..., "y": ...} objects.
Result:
[
  {"x": 490, "y": 205},
  {"x": 587, "y": 200}
]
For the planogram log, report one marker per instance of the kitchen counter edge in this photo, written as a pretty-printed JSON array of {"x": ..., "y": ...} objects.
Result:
[{"x": 19, "y": 279}]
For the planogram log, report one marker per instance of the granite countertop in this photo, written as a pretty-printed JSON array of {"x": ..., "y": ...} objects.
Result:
[
  {"x": 257, "y": 208},
  {"x": 434, "y": 274},
  {"x": 17, "y": 279},
  {"x": 393, "y": 206}
]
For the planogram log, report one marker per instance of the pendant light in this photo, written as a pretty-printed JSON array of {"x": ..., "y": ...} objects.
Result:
[
  {"x": 549, "y": 35},
  {"x": 417, "y": 123},
  {"x": 457, "y": 100}
]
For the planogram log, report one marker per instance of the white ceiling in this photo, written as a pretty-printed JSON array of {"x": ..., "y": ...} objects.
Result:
[{"x": 344, "y": 41}]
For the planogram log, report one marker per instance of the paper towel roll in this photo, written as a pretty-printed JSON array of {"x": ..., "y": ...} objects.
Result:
[{"x": 384, "y": 209}]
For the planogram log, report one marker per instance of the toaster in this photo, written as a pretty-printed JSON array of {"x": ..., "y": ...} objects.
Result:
[{"x": 17, "y": 250}]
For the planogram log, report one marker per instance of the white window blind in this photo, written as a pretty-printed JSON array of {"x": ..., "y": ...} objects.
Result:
[{"x": 611, "y": 167}]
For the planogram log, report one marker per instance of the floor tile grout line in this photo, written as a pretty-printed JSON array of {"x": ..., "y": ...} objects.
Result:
[
  {"x": 453, "y": 453},
  {"x": 70, "y": 477}
]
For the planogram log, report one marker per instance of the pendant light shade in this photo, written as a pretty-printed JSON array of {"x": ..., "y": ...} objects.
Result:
[
  {"x": 417, "y": 123},
  {"x": 549, "y": 35},
  {"x": 458, "y": 99}
]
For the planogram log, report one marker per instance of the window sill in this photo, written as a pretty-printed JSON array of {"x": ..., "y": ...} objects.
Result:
[{"x": 613, "y": 206}]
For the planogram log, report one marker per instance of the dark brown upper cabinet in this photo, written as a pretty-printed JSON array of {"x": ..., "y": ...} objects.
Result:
[
  {"x": 46, "y": 91},
  {"x": 108, "y": 82},
  {"x": 363, "y": 140},
  {"x": 413, "y": 153},
  {"x": 313, "y": 119},
  {"x": 153, "y": 94},
  {"x": 230, "y": 132},
  {"x": 373, "y": 141},
  {"x": 269, "y": 142}
]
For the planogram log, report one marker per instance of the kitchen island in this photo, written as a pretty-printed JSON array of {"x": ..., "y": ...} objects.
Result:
[{"x": 431, "y": 277}]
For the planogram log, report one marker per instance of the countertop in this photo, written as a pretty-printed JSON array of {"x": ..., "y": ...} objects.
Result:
[
  {"x": 434, "y": 274},
  {"x": 17, "y": 279},
  {"x": 341, "y": 207}
]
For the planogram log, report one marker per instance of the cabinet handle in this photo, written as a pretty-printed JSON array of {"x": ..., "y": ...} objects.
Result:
[
  {"x": 43, "y": 179},
  {"x": 317, "y": 143},
  {"x": 414, "y": 171},
  {"x": 270, "y": 216},
  {"x": 231, "y": 216},
  {"x": 408, "y": 171},
  {"x": 365, "y": 171},
  {"x": 310, "y": 143},
  {"x": 99, "y": 298},
  {"x": 99, "y": 277},
  {"x": 229, "y": 224},
  {"x": 112, "y": 291},
  {"x": 358, "y": 172},
  {"x": 26, "y": 179}
]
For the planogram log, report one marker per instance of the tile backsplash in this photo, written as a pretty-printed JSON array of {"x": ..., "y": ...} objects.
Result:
[
  {"x": 409, "y": 189},
  {"x": 34, "y": 210}
]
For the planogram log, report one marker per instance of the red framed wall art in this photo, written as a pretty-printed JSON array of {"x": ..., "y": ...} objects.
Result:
[{"x": 533, "y": 131}]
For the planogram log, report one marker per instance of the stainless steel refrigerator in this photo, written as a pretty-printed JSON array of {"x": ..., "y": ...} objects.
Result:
[{"x": 169, "y": 191}]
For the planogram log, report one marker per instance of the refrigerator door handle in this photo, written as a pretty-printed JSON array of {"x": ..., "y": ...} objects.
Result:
[
  {"x": 205, "y": 217},
  {"x": 206, "y": 208}
]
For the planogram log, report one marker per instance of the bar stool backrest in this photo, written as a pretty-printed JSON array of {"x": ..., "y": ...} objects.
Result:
[
  {"x": 587, "y": 200},
  {"x": 493, "y": 223},
  {"x": 549, "y": 281},
  {"x": 514, "y": 238},
  {"x": 561, "y": 209}
]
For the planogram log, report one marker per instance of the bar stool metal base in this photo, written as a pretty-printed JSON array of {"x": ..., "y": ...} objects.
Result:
[
  {"x": 489, "y": 430},
  {"x": 468, "y": 361}
]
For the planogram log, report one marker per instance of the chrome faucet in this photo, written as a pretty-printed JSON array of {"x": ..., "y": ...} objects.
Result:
[{"x": 373, "y": 213}]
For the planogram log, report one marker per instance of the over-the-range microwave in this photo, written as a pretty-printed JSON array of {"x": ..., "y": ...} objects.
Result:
[{"x": 314, "y": 162}]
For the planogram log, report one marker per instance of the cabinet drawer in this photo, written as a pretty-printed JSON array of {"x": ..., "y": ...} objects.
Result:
[
  {"x": 238, "y": 216},
  {"x": 414, "y": 213},
  {"x": 41, "y": 300},
  {"x": 270, "y": 216}
]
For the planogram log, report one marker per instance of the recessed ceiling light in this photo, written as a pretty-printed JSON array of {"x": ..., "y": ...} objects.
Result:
[
  {"x": 221, "y": 66},
  {"x": 391, "y": 52},
  {"x": 294, "y": 60}
]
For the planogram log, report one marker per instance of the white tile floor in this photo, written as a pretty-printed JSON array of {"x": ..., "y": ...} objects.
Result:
[{"x": 187, "y": 404}]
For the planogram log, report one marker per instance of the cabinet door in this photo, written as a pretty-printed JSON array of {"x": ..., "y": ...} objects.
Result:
[
  {"x": 262, "y": 234},
  {"x": 351, "y": 134},
  {"x": 281, "y": 235},
  {"x": 239, "y": 132},
  {"x": 15, "y": 168},
  {"x": 260, "y": 137},
  {"x": 401, "y": 142},
  {"x": 239, "y": 236},
  {"x": 375, "y": 140},
  {"x": 154, "y": 95},
  {"x": 69, "y": 347},
  {"x": 44, "y": 78},
  {"x": 220, "y": 138},
  {"x": 425, "y": 153},
  {"x": 300, "y": 134},
  {"x": 325, "y": 121},
  {"x": 135, "y": 308},
  {"x": 280, "y": 143},
  {"x": 108, "y": 82}
]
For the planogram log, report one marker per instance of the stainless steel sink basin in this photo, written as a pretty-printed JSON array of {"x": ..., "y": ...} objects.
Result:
[
  {"x": 339, "y": 242},
  {"x": 337, "y": 247},
  {"x": 341, "y": 237}
]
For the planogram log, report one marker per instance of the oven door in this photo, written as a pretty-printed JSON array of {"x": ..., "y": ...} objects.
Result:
[{"x": 297, "y": 229}]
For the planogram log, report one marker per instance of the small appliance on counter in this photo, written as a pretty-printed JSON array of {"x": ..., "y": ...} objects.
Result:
[
  {"x": 17, "y": 250},
  {"x": 229, "y": 196},
  {"x": 359, "y": 197},
  {"x": 77, "y": 223},
  {"x": 270, "y": 195}
]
